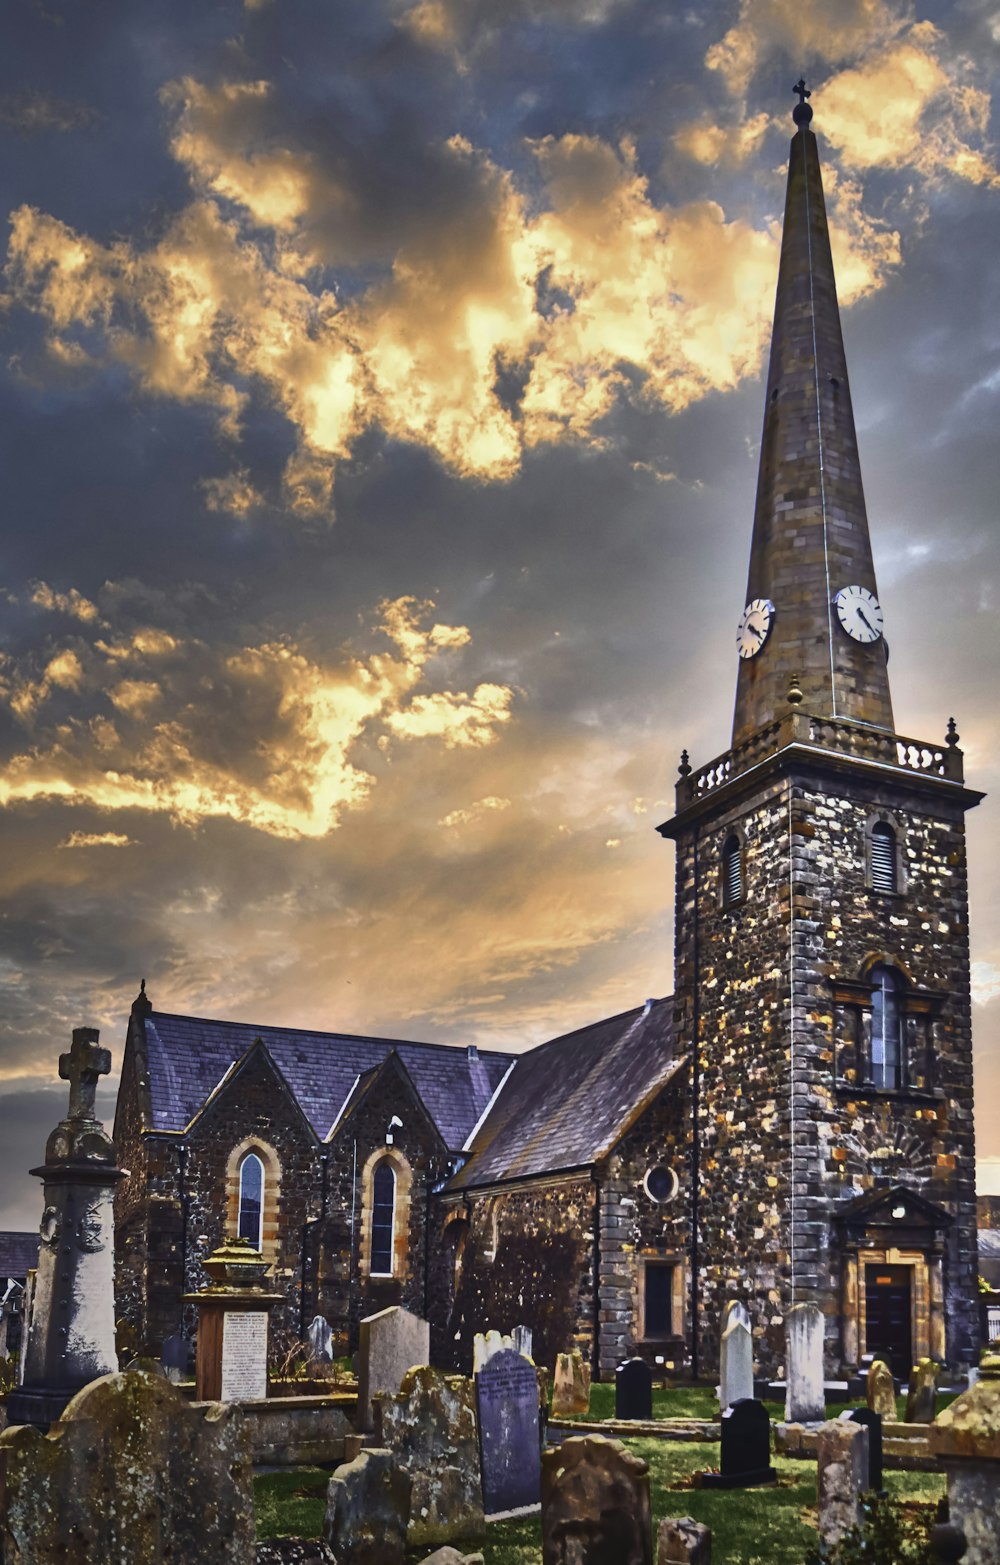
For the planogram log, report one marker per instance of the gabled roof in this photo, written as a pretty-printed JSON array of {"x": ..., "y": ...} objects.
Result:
[
  {"x": 889, "y": 1206},
  {"x": 567, "y": 1102},
  {"x": 989, "y": 1244},
  {"x": 18, "y": 1254},
  {"x": 187, "y": 1057}
]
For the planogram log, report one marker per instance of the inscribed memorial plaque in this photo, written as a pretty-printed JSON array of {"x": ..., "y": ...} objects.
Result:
[
  {"x": 244, "y": 1356},
  {"x": 507, "y": 1400}
]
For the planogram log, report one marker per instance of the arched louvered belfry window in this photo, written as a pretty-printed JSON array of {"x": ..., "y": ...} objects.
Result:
[
  {"x": 887, "y": 1028},
  {"x": 732, "y": 871},
  {"x": 383, "y": 1219},
  {"x": 884, "y": 876},
  {"x": 252, "y": 1200}
]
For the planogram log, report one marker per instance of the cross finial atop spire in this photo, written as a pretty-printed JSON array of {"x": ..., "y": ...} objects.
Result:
[{"x": 802, "y": 113}]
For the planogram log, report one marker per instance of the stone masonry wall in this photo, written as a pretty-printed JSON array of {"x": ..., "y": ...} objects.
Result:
[
  {"x": 523, "y": 1256},
  {"x": 766, "y": 971}
]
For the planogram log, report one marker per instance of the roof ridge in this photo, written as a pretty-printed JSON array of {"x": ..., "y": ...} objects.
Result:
[
  {"x": 316, "y": 1032},
  {"x": 604, "y": 1021}
]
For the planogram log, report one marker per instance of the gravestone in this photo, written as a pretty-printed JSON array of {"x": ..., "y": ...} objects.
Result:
[
  {"x": 130, "y": 1472},
  {"x": 804, "y": 1399},
  {"x": 368, "y": 1510},
  {"x": 595, "y": 1504},
  {"x": 231, "y": 1359},
  {"x": 571, "y": 1386},
  {"x": 736, "y": 1384},
  {"x": 873, "y": 1423},
  {"x": 507, "y": 1404},
  {"x": 841, "y": 1478},
  {"x": 449, "y": 1556},
  {"x": 521, "y": 1338},
  {"x": 734, "y": 1309},
  {"x": 922, "y": 1395},
  {"x": 320, "y": 1340},
  {"x": 745, "y": 1459},
  {"x": 881, "y": 1390},
  {"x": 392, "y": 1341},
  {"x": 70, "y": 1337},
  {"x": 683, "y": 1541},
  {"x": 965, "y": 1440},
  {"x": 485, "y": 1344},
  {"x": 430, "y": 1428},
  {"x": 633, "y": 1390},
  {"x": 175, "y": 1356}
]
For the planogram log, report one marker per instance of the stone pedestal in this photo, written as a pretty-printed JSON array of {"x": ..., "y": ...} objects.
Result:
[
  {"x": 233, "y": 1311},
  {"x": 965, "y": 1438},
  {"x": 71, "y": 1337}
]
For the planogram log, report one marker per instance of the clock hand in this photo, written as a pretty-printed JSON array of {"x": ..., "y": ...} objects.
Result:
[{"x": 864, "y": 619}]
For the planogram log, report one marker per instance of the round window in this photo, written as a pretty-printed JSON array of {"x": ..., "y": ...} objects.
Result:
[{"x": 660, "y": 1184}]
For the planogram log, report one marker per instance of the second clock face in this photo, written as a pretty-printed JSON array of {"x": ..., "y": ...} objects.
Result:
[
  {"x": 860, "y": 613},
  {"x": 754, "y": 625}
]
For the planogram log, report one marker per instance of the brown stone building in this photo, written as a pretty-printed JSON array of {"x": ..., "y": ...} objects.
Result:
[{"x": 794, "y": 1125}]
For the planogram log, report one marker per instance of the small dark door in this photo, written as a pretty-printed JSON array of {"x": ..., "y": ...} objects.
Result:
[{"x": 888, "y": 1330}]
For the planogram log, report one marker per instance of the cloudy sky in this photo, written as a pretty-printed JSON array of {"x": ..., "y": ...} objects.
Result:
[{"x": 380, "y": 409}]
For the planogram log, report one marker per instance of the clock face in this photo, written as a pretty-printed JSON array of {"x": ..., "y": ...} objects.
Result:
[
  {"x": 753, "y": 628},
  {"x": 860, "y": 613}
]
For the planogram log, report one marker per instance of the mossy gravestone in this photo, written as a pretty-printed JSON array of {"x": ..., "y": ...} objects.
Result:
[
  {"x": 430, "y": 1428},
  {"x": 130, "y": 1474},
  {"x": 595, "y": 1505}
]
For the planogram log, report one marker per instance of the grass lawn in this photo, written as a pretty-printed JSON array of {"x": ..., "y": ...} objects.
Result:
[
  {"x": 773, "y": 1526},
  {"x": 701, "y": 1402}
]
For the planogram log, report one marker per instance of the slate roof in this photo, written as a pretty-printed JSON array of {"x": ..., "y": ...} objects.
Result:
[
  {"x": 18, "y": 1254},
  {"x": 188, "y": 1056},
  {"x": 989, "y": 1244},
  {"x": 567, "y": 1102}
]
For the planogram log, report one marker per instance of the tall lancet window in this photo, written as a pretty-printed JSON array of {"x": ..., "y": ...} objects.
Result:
[
  {"x": 732, "y": 871},
  {"x": 883, "y": 858},
  {"x": 887, "y": 1032},
  {"x": 251, "y": 1200},
  {"x": 383, "y": 1219}
]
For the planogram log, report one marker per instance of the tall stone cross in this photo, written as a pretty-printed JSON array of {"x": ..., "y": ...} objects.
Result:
[{"x": 81, "y": 1067}]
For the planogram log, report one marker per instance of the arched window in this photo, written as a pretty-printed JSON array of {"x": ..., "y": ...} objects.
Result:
[
  {"x": 383, "y": 1219},
  {"x": 250, "y": 1224},
  {"x": 887, "y": 1028},
  {"x": 883, "y": 858},
  {"x": 732, "y": 871}
]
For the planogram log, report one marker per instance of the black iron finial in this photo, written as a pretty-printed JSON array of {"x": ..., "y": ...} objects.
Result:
[{"x": 802, "y": 113}]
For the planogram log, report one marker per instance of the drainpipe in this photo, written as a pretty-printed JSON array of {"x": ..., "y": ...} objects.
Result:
[{"x": 695, "y": 1105}]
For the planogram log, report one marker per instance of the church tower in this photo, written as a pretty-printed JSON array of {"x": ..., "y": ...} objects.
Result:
[{"x": 821, "y": 945}]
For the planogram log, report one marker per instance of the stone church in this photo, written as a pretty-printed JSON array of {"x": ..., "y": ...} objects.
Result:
[{"x": 793, "y": 1125}]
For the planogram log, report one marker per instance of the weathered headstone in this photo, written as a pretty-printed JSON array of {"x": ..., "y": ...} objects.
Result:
[
  {"x": 368, "y": 1510},
  {"x": 70, "y": 1339},
  {"x": 430, "y": 1428},
  {"x": 130, "y": 1472},
  {"x": 633, "y": 1390},
  {"x": 922, "y": 1395},
  {"x": 733, "y": 1309},
  {"x": 736, "y": 1384},
  {"x": 485, "y": 1344},
  {"x": 521, "y": 1337},
  {"x": 965, "y": 1440},
  {"x": 507, "y": 1404},
  {"x": 881, "y": 1390},
  {"x": 595, "y": 1504},
  {"x": 392, "y": 1342},
  {"x": 320, "y": 1340},
  {"x": 683, "y": 1541},
  {"x": 231, "y": 1360},
  {"x": 571, "y": 1386},
  {"x": 873, "y": 1423},
  {"x": 175, "y": 1356},
  {"x": 449, "y": 1556},
  {"x": 841, "y": 1478},
  {"x": 745, "y": 1459},
  {"x": 804, "y": 1399}
]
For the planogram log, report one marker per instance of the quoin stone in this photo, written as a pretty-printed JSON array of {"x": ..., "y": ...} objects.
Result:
[
  {"x": 841, "y": 1478},
  {"x": 70, "y": 1338},
  {"x": 391, "y": 1342},
  {"x": 805, "y": 1402},
  {"x": 737, "y": 1359},
  {"x": 595, "y": 1504},
  {"x": 507, "y": 1407}
]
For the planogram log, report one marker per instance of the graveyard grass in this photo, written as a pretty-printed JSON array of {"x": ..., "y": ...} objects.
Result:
[{"x": 767, "y": 1526}]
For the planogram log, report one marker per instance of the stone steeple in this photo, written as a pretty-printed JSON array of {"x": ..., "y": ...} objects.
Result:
[{"x": 810, "y": 533}]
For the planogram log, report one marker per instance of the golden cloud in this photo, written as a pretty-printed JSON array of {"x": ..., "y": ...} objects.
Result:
[
  {"x": 824, "y": 29},
  {"x": 233, "y": 493},
  {"x": 273, "y": 750},
  {"x": 103, "y": 839},
  {"x": 474, "y": 812},
  {"x": 707, "y": 141},
  {"x": 73, "y": 603}
]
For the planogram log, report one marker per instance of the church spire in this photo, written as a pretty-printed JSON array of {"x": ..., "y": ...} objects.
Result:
[{"x": 810, "y": 532}]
